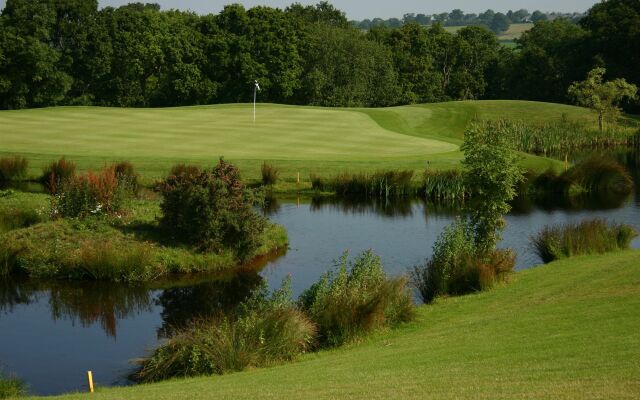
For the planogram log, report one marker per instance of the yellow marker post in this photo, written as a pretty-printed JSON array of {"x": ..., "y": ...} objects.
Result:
[
  {"x": 298, "y": 179},
  {"x": 90, "y": 377}
]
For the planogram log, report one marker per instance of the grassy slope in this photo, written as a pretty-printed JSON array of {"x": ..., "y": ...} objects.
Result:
[
  {"x": 297, "y": 139},
  {"x": 568, "y": 330}
]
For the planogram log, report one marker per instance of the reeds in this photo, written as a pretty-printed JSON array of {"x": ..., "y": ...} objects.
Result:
[
  {"x": 270, "y": 174},
  {"x": 444, "y": 185},
  {"x": 594, "y": 236},
  {"x": 563, "y": 136},
  {"x": 104, "y": 261},
  {"x": 381, "y": 184},
  {"x": 13, "y": 168}
]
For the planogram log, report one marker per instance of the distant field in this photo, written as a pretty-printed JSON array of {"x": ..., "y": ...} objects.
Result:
[
  {"x": 514, "y": 32},
  {"x": 297, "y": 139},
  {"x": 568, "y": 330}
]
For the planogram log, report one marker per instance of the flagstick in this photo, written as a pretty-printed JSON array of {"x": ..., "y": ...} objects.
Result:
[{"x": 255, "y": 90}]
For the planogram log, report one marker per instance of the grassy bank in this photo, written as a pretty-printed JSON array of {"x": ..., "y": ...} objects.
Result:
[
  {"x": 566, "y": 330},
  {"x": 295, "y": 139}
]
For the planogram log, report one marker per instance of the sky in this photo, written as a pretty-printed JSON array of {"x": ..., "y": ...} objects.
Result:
[{"x": 361, "y": 9}]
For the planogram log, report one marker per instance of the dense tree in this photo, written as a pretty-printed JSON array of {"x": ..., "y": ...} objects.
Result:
[
  {"x": 614, "y": 28},
  {"x": 538, "y": 16},
  {"x": 500, "y": 23}
]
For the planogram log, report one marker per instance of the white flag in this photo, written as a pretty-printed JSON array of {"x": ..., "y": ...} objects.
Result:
[{"x": 257, "y": 86}]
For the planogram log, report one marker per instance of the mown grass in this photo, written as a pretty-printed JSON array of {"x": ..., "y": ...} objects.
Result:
[
  {"x": 292, "y": 139},
  {"x": 567, "y": 330}
]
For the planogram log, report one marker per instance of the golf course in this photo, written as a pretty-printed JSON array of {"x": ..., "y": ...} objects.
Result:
[
  {"x": 295, "y": 138},
  {"x": 566, "y": 330}
]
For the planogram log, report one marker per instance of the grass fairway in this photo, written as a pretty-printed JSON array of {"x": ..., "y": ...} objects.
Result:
[
  {"x": 568, "y": 330},
  {"x": 296, "y": 139}
]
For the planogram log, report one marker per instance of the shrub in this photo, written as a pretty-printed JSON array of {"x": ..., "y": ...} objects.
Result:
[
  {"x": 270, "y": 174},
  {"x": 587, "y": 237},
  {"x": 184, "y": 170},
  {"x": 57, "y": 173},
  {"x": 90, "y": 194},
  {"x": 13, "y": 168},
  {"x": 263, "y": 331},
  {"x": 457, "y": 268},
  {"x": 356, "y": 298},
  {"x": 212, "y": 210},
  {"x": 317, "y": 182},
  {"x": 11, "y": 387},
  {"x": 126, "y": 175}
]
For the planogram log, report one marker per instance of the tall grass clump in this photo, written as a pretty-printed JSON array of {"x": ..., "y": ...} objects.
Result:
[
  {"x": 270, "y": 174},
  {"x": 318, "y": 183},
  {"x": 11, "y": 387},
  {"x": 356, "y": 298},
  {"x": 127, "y": 176},
  {"x": 13, "y": 168},
  {"x": 588, "y": 237},
  {"x": 17, "y": 218},
  {"x": 599, "y": 174},
  {"x": 91, "y": 194},
  {"x": 457, "y": 268},
  {"x": 264, "y": 330},
  {"x": 57, "y": 173},
  {"x": 444, "y": 185},
  {"x": 104, "y": 261},
  {"x": 212, "y": 210}
]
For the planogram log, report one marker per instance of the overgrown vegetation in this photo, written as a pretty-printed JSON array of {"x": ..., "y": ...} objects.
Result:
[
  {"x": 13, "y": 168},
  {"x": 56, "y": 174},
  {"x": 456, "y": 268},
  {"x": 356, "y": 298},
  {"x": 211, "y": 210},
  {"x": 11, "y": 387},
  {"x": 101, "y": 193},
  {"x": 588, "y": 237},
  {"x": 263, "y": 330}
]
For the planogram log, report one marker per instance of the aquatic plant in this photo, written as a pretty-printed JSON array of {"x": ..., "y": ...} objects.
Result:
[
  {"x": 444, "y": 185},
  {"x": 11, "y": 387},
  {"x": 593, "y": 236}
]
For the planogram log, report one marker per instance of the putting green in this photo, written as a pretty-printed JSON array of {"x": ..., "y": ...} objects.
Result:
[{"x": 280, "y": 133}]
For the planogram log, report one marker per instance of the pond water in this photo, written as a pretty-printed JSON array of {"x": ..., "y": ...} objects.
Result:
[{"x": 51, "y": 333}]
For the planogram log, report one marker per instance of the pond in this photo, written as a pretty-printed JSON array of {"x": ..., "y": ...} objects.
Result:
[{"x": 51, "y": 333}]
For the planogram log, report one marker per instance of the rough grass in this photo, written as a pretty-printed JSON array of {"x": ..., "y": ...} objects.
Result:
[
  {"x": 293, "y": 139},
  {"x": 568, "y": 330},
  {"x": 11, "y": 387}
]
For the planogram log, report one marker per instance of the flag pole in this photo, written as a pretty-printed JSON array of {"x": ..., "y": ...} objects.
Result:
[{"x": 255, "y": 91}]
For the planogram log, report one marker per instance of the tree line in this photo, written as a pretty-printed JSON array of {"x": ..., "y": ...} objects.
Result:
[{"x": 73, "y": 53}]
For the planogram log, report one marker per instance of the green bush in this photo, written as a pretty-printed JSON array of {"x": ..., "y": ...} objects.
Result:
[
  {"x": 13, "y": 168},
  {"x": 11, "y": 387},
  {"x": 212, "y": 210},
  {"x": 264, "y": 330},
  {"x": 588, "y": 237},
  {"x": 600, "y": 175},
  {"x": 57, "y": 173},
  {"x": 270, "y": 174},
  {"x": 356, "y": 298},
  {"x": 457, "y": 268},
  {"x": 90, "y": 194}
]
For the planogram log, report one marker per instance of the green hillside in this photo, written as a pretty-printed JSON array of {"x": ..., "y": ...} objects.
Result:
[
  {"x": 297, "y": 139},
  {"x": 568, "y": 330}
]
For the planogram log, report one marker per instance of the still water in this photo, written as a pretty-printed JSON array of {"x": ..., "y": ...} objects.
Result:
[{"x": 51, "y": 333}]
